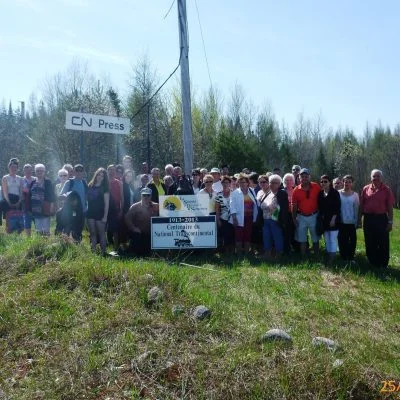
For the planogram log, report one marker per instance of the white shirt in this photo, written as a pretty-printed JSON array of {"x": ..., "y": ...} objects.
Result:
[
  {"x": 217, "y": 186},
  {"x": 349, "y": 207},
  {"x": 212, "y": 196},
  {"x": 237, "y": 205}
]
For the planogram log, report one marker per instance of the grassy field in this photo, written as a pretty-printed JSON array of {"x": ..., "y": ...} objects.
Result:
[{"x": 77, "y": 326}]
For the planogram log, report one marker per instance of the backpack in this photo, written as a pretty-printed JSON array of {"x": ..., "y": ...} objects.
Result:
[
  {"x": 69, "y": 218},
  {"x": 71, "y": 185},
  {"x": 184, "y": 186}
]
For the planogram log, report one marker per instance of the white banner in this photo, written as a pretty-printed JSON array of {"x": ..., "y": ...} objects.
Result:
[
  {"x": 183, "y": 232},
  {"x": 184, "y": 206},
  {"x": 96, "y": 123}
]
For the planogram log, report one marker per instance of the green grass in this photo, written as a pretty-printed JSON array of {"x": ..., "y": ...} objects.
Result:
[{"x": 77, "y": 326}]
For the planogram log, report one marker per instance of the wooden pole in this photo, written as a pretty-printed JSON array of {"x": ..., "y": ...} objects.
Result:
[{"x": 185, "y": 88}]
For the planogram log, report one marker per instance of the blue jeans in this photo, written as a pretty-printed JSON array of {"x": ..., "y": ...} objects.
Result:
[{"x": 272, "y": 235}]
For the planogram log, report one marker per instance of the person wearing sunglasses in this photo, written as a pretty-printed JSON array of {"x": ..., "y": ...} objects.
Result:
[
  {"x": 376, "y": 207},
  {"x": 196, "y": 181},
  {"x": 156, "y": 185},
  {"x": 329, "y": 209},
  {"x": 62, "y": 176},
  {"x": 212, "y": 194},
  {"x": 305, "y": 210},
  {"x": 263, "y": 182}
]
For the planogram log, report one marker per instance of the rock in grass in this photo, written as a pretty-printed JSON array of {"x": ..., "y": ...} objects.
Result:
[
  {"x": 201, "y": 312},
  {"x": 155, "y": 295},
  {"x": 148, "y": 278},
  {"x": 330, "y": 344},
  {"x": 178, "y": 309},
  {"x": 337, "y": 363},
  {"x": 138, "y": 363},
  {"x": 3, "y": 395},
  {"x": 276, "y": 335},
  {"x": 171, "y": 372}
]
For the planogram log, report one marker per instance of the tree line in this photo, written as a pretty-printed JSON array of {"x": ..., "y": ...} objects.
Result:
[{"x": 231, "y": 131}]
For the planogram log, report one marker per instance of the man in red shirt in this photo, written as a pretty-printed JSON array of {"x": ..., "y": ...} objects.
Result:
[
  {"x": 376, "y": 205},
  {"x": 305, "y": 210}
]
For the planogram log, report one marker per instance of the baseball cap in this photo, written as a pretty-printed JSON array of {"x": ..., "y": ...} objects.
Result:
[
  {"x": 215, "y": 171},
  {"x": 146, "y": 191},
  {"x": 78, "y": 168},
  {"x": 304, "y": 171}
]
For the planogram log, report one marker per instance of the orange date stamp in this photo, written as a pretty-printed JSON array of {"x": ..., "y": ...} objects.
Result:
[{"x": 390, "y": 386}]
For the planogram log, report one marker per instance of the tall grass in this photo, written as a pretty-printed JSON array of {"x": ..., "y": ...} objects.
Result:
[{"x": 77, "y": 326}]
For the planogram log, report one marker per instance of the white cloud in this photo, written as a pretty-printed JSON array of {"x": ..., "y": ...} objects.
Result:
[
  {"x": 64, "y": 32},
  {"x": 16, "y": 41},
  {"x": 74, "y": 3},
  {"x": 23, "y": 41},
  {"x": 29, "y": 4},
  {"x": 90, "y": 52}
]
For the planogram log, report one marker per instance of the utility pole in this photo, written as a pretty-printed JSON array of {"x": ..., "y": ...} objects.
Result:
[
  {"x": 148, "y": 136},
  {"x": 185, "y": 88},
  {"x": 81, "y": 143},
  {"x": 22, "y": 109}
]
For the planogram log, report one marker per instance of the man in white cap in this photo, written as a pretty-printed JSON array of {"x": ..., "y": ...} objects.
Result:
[
  {"x": 217, "y": 185},
  {"x": 138, "y": 222}
]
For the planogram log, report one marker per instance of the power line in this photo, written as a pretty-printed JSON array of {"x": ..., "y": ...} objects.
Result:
[
  {"x": 169, "y": 77},
  {"x": 204, "y": 46},
  {"x": 166, "y": 15},
  {"x": 155, "y": 93}
]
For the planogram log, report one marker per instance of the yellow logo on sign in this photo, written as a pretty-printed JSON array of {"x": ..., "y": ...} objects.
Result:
[{"x": 172, "y": 203}]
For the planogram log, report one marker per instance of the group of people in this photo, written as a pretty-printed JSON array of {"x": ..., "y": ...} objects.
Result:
[{"x": 267, "y": 214}]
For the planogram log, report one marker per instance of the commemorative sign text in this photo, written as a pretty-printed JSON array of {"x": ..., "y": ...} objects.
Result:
[
  {"x": 184, "y": 222},
  {"x": 183, "y": 232}
]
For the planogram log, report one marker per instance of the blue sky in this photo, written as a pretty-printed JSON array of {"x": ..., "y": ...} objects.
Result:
[{"x": 338, "y": 58}]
